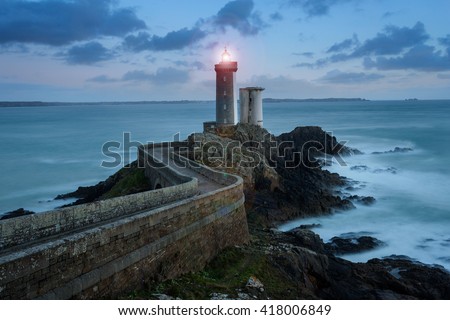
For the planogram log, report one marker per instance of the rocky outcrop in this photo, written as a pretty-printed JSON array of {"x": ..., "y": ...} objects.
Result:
[
  {"x": 341, "y": 245},
  {"x": 126, "y": 181},
  {"x": 367, "y": 201},
  {"x": 316, "y": 142},
  {"x": 395, "y": 150},
  {"x": 242, "y": 157},
  {"x": 16, "y": 213},
  {"x": 304, "y": 259}
]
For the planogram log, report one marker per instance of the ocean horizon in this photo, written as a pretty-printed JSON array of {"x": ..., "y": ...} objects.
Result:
[{"x": 48, "y": 151}]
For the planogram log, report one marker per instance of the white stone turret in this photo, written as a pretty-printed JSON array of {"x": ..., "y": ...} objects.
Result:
[{"x": 250, "y": 101}]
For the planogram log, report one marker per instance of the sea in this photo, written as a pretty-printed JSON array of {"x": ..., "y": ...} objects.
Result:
[{"x": 50, "y": 150}]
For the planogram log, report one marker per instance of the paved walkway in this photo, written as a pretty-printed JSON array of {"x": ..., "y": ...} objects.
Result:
[{"x": 204, "y": 183}]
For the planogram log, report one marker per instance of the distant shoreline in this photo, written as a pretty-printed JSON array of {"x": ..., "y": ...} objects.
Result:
[
  {"x": 6, "y": 104},
  {"x": 53, "y": 104},
  {"x": 50, "y": 104}
]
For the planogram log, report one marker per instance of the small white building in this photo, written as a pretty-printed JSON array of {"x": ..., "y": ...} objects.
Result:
[{"x": 250, "y": 102}]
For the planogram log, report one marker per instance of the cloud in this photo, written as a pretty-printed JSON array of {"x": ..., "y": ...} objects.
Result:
[
  {"x": 445, "y": 41},
  {"x": 89, "y": 53},
  {"x": 339, "y": 77},
  {"x": 283, "y": 87},
  {"x": 14, "y": 48},
  {"x": 304, "y": 54},
  {"x": 174, "y": 40},
  {"x": 389, "y": 14},
  {"x": 58, "y": 23},
  {"x": 312, "y": 65},
  {"x": 392, "y": 41},
  {"x": 239, "y": 15},
  {"x": 420, "y": 57},
  {"x": 138, "y": 75},
  {"x": 316, "y": 7},
  {"x": 346, "y": 44},
  {"x": 193, "y": 65},
  {"x": 162, "y": 76},
  {"x": 276, "y": 16},
  {"x": 102, "y": 79}
]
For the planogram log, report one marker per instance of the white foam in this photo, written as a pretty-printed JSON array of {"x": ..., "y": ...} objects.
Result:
[{"x": 412, "y": 205}]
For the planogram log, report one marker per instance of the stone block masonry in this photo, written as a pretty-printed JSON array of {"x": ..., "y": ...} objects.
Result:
[
  {"x": 29, "y": 228},
  {"x": 122, "y": 254}
]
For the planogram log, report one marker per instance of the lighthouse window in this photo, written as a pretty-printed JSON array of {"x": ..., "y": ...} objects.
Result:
[
  {"x": 224, "y": 107},
  {"x": 225, "y": 92},
  {"x": 224, "y": 79}
]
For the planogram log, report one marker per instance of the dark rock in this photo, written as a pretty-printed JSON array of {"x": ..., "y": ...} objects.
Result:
[
  {"x": 298, "y": 185},
  {"x": 339, "y": 245},
  {"x": 310, "y": 226},
  {"x": 16, "y": 213},
  {"x": 323, "y": 276},
  {"x": 101, "y": 189},
  {"x": 307, "y": 239},
  {"x": 367, "y": 201},
  {"x": 387, "y": 170},
  {"x": 316, "y": 141},
  {"x": 359, "y": 168},
  {"x": 396, "y": 150},
  {"x": 418, "y": 280}
]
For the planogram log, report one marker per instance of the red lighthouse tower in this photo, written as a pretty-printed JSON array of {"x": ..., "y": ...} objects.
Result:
[{"x": 225, "y": 100}]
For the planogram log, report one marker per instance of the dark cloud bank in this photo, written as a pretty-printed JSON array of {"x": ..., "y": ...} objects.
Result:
[
  {"x": 82, "y": 23},
  {"x": 238, "y": 14},
  {"x": 314, "y": 8},
  {"x": 395, "y": 48},
  {"x": 58, "y": 23}
]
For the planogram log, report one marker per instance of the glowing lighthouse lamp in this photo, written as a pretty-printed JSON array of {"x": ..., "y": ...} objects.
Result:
[{"x": 226, "y": 57}]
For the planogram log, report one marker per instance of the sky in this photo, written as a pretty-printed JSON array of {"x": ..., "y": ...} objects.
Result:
[{"x": 134, "y": 50}]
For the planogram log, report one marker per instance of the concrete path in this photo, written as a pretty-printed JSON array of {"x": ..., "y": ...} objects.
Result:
[{"x": 204, "y": 183}]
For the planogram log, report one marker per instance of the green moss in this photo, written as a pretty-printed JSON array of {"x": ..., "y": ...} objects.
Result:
[
  {"x": 131, "y": 180},
  {"x": 226, "y": 274}
]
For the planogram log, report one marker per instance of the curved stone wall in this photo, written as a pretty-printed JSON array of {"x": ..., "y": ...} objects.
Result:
[
  {"x": 30, "y": 228},
  {"x": 125, "y": 253}
]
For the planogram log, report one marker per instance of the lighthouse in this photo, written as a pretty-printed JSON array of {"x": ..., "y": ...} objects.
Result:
[
  {"x": 225, "y": 100},
  {"x": 251, "y": 109}
]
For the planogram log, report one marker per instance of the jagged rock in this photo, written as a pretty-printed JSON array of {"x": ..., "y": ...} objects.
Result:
[
  {"x": 339, "y": 245},
  {"x": 310, "y": 226},
  {"x": 16, "y": 213},
  {"x": 323, "y": 276},
  {"x": 395, "y": 150},
  {"x": 367, "y": 201},
  {"x": 101, "y": 189},
  {"x": 388, "y": 170},
  {"x": 243, "y": 158},
  {"x": 308, "y": 239},
  {"x": 359, "y": 168},
  {"x": 318, "y": 140}
]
